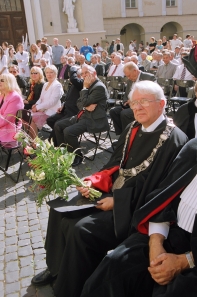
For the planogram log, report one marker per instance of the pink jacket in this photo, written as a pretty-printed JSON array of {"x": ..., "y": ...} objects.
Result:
[{"x": 8, "y": 110}]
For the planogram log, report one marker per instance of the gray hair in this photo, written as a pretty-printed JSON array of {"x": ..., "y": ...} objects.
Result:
[
  {"x": 51, "y": 67},
  {"x": 148, "y": 87}
]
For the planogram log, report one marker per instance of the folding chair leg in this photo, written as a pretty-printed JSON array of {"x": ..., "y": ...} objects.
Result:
[{"x": 7, "y": 165}]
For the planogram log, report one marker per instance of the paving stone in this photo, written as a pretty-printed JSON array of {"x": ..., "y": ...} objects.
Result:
[
  {"x": 1, "y": 266},
  {"x": 11, "y": 232},
  {"x": 2, "y": 288},
  {"x": 36, "y": 233},
  {"x": 24, "y": 218},
  {"x": 21, "y": 207},
  {"x": 33, "y": 216},
  {"x": 11, "y": 240},
  {"x": 12, "y": 288},
  {"x": 13, "y": 295},
  {"x": 11, "y": 225},
  {"x": 40, "y": 264},
  {"x": 2, "y": 230},
  {"x": 25, "y": 251},
  {"x": 11, "y": 257},
  {"x": 39, "y": 251},
  {"x": 26, "y": 282},
  {"x": 36, "y": 239},
  {"x": 11, "y": 248},
  {"x": 12, "y": 277},
  {"x": 1, "y": 276},
  {"x": 33, "y": 222},
  {"x": 37, "y": 245},
  {"x": 34, "y": 228},
  {"x": 26, "y": 261},
  {"x": 2, "y": 244},
  {"x": 24, "y": 223},
  {"x": 24, "y": 236},
  {"x": 11, "y": 266},
  {"x": 39, "y": 257},
  {"x": 2, "y": 236},
  {"x": 21, "y": 213},
  {"x": 9, "y": 219},
  {"x": 2, "y": 223},
  {"x": 23, "y": 230},
  {"x": 26, "y": 271},
  {"x": 24, "y": 242}
]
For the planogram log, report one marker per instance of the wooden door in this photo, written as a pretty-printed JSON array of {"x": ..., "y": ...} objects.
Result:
[{"x": 12, "y": 21}]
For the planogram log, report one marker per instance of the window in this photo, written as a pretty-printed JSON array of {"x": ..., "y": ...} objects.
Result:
[
  {"x": 130, "y": 3},
  {"x": 170, "y": 2},
  {"x": 10, "y": 5}
]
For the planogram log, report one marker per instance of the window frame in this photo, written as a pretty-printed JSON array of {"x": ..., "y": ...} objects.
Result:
[
  {"x": 130, "y": 4},
  {"x": 170, "y": 4}
]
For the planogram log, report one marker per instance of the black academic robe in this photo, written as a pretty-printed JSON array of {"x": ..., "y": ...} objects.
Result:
[
  {"x": 184, "y": 118},
  {"x": 124, "y": 271},
  {"x": 90, "y": 236}
]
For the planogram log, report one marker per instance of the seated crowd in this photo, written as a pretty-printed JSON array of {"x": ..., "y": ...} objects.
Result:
[{"x": 146, "y": 216}]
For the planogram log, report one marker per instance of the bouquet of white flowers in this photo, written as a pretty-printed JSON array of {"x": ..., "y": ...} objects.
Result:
[{"x": 51, "y": 169}]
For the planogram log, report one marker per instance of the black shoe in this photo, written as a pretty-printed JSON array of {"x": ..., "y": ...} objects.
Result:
[
  {"x": 43, "y": 278},
  {"x": 78, "y": 160}
]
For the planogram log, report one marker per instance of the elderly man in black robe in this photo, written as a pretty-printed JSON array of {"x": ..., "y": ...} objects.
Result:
[
  {"x": 145, "y": 150},
  {"x": 159, "y": 259}
]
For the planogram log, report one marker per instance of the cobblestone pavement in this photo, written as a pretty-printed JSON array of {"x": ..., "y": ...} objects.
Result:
[{"x": 23, "y": 229}]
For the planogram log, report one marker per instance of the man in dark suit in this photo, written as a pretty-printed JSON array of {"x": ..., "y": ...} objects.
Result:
[
  {"x": 122, "y": 115},
  {"x": 92, "y": 116},
  {"x": 98, "y": 67},
  {"x": 63, "y": 71},
  {"x": 69, "y": 107}
]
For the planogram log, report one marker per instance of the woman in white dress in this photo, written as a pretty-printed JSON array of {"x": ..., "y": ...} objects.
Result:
[
  {"x": 22, "y": 58},
  {"x": 3, "y": 62},
  {"x": 11, "y": 57},
  {"x": 49, "y": 100}
]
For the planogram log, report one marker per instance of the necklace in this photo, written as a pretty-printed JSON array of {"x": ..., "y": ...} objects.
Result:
[{"x": 119, "y": 182}]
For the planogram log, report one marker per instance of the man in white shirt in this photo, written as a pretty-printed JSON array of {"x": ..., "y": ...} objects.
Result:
[
  {"x": 174, "y": 42},
  {"x": 188, "y": 42},
  {"x": 118, "y": 46},
  {"x": 69, "y": 50},
  {"x": 117, "y": 68}
]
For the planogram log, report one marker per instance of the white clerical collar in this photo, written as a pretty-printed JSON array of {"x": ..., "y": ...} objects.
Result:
[{"x": 154, "y": 125}]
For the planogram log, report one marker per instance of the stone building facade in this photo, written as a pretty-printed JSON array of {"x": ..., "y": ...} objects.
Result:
[{"x": 102, "y": 20}]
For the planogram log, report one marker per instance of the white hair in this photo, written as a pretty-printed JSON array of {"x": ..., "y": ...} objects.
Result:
[{"x": 148, "y": 87}]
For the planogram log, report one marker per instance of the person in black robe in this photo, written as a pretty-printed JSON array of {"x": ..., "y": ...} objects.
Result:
[
  {"x": 127, "y": 270},
  {"x": 81, "y": 242},
  {"x": 185, "y": 116}
]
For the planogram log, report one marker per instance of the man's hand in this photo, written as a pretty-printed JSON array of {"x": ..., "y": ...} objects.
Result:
[
  {"x": 166, "y": 266},
  {"x": 59, "y": 110},
  {"x": 88, "y": 81},
  {"x": 34, "y": 109},
  {"x": 106, "y": 204},
  {"x": 91, "y": 107},
  {"x": 85, "y": 190},
  {"x": 126, "y": 103}
]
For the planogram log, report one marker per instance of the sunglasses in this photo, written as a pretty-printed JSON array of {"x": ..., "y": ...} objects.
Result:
[
  {"x": 34, "y": 72},
  {"x": 12, "y": 71},
  {"x": 2, "y": 80}
]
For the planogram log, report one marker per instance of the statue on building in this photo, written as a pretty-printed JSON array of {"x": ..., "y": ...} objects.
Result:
[{"x": 68, "y": 8}]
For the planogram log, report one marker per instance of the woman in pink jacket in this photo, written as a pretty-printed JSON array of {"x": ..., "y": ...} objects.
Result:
[{"x": 10, "y": 102}]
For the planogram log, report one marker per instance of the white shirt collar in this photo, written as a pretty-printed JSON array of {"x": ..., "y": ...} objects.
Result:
[{"x": 154, "y": 125}]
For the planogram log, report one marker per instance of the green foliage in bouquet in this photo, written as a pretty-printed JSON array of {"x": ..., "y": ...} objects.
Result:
[{"x": 51, "y": 169}]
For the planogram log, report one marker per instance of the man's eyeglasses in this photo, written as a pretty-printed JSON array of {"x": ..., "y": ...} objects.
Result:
[
  {"x": 34, "y": 72},
  {"x": 2, "y": 80},
  {"x": 142, "y": 102}
]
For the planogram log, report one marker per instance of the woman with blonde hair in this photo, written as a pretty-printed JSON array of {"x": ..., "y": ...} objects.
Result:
[
  {"x": 35, "y": 54},
  {"x": 49, "y": 100},
  {"x": 36, "y": 85},
  {"x": 10, "y": 102}
]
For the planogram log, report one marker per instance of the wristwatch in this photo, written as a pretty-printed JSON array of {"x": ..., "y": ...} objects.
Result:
[{"x": 190, "y": 260}]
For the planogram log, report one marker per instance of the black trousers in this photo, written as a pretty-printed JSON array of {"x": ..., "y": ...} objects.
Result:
[
  {"x": 67, "y": 132},
  {"x": 121, "y": 118},
  {"x": 124, "y": 272},
  {"x": 75, "y": 246},
  {"x": 51, "y": 122}
]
